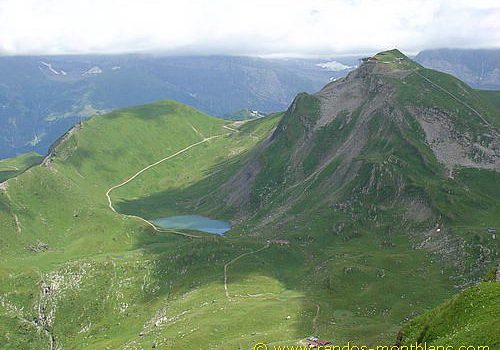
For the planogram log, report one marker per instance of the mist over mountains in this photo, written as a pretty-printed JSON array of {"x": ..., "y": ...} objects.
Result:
[
  {"x": 41, "y": 97},
  {"x": 480, "y": 68}
]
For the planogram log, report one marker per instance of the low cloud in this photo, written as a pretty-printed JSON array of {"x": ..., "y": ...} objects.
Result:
[{"x": 257, "y": 27}]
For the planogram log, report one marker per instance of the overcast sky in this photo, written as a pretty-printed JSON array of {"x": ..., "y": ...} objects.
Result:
[{"x": 245, "y": 27}]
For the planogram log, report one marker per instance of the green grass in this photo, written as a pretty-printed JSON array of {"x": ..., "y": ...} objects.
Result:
[
  {"x": 162, "y": 191},
  {"x": 395, "y": 59},
  {"x": 290, "y": 132},
  {"x": 134, "y": 274},
  {"x": 467, "y": 203},
  {"x": 469, "y": 318},
  {"x": 115, "y": 275},
  {"x": 492, "y": 97},
  {"x": 12, "y": 167}
]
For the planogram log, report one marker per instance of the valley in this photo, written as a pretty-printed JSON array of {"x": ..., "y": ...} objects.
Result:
[
  {"x": 357, "y": 209},
  {"x": 41, "y": 97}
]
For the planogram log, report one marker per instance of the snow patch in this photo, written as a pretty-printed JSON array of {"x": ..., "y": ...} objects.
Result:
[
  {"x": 49, "y": 66},
  {"x": 92, "y": 71},
  {"x": 256, "y": 114},
  {"x": 36, "y": 140}
]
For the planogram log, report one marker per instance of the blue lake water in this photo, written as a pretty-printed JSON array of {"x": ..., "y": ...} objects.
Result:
[{"x": 194, "y": 222}]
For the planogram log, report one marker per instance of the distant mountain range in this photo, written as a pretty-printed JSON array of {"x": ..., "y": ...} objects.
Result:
[
  {"x": 41, "y": 97},
  {"x": 478, "y": 68}
]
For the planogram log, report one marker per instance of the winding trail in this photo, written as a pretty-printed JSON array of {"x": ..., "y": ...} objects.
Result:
[
  {"x": 149, "y": 223},
  {"x": 315, "y": 320},
  {"x": 111, "y": 189},
  {"x": 236, "y": 259},
  {"x": 158, "y": 229}
]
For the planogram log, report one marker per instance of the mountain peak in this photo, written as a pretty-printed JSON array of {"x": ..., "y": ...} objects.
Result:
[
  {"x": 394, "y": 53},
  {"x": 392, "y": 60},
  {"x": 389, "y": 108}
]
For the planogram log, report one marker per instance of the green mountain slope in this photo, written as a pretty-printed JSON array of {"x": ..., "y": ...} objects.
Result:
[
  {"x": 393, "y": 147},
  {"x": 12, "y": 167},
  {"x": 62, "y": 245},
  {"x": 491, "y": 96},
  {"x": 477, "y": 67},
  {"x": 470, "y": 317},
  {"x": 384, "y": 218}
]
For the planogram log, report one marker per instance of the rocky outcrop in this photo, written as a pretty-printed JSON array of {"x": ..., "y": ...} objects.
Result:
[
  {"x": 47, "y": 161},
  {"x": 453, "y": 148}
]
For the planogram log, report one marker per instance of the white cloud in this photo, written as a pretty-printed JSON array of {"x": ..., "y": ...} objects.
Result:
[
  {"x": 334, "y": 66},
  {"x": 252, "y": 27}
]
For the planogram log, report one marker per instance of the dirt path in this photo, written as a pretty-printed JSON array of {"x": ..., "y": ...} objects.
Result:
[
  {"x": 454, "y": 97},
  {"x": 111, "y": 189},
  {"x": 236, "y": 259},
  {"x": 315, "y": 321},
  {"x": 230, "y": 128},
  {"x": 149, "y": 223},
  {"x": 158, "y": 229},
  {"x": 3, "y": 187},
  {"x": 196, "y": 130}
]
